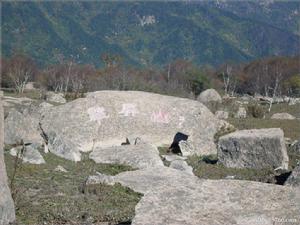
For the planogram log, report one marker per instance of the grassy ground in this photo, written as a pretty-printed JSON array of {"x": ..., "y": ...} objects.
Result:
[{"x": 44, "y": 196}]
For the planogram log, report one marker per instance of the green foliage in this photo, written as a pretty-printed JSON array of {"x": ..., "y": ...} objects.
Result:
[{"x": 198, "y": 31}]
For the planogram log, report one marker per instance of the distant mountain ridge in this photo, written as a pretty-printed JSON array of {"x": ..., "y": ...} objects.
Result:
[{"x": 146, "y": 33}]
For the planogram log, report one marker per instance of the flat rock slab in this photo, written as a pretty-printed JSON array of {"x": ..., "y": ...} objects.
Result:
[
  {"x": 106, "y": 118},
  {"x": 149, "y": 179},
  {"x": 137, "y": 156},
  {"x": 219, "y": 202},
  {"x": 257, "y": 148}
]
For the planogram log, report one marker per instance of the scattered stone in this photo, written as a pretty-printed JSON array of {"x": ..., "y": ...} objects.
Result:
[
  {"x": 59, "y": 168},
  {"x": 294, "y": 178},
  {"x": 138, "y": 156},
  {"x": 209, "y": 95},
  {"x": 257, "y": 148},
  {"x": 282, "y": 116},
  {"x": 241, "y": 113},
  {"x": 186, "y": 148},
  {"x": 20, "y": 127},
  {"x": 29, "y": 86},
  {"x": 222, "y": 115},
  {"x": 106, "y": 118},
  {"x": 173, "y": 157},
  {"x": 181, "y": 165},
  {"x": 30, "y": 154},
  {"x": 55, "y": 97},
  {"x": 7, "y": 210},
  {"x": 294, "y": 101}
]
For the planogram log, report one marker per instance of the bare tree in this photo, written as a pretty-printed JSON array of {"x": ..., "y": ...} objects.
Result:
[{"x": 20, "y": 69}]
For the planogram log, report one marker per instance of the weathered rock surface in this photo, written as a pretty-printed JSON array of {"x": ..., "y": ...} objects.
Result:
[
  {"x": 21, "y": 127},
  {"x": 106, "y": 118},
  {"x": 294, "y": 178},
  {"x": 219, "y": 202},
  {"x": 145, "y": 180},
  {"x": 182, "y": 166},
  {"x": 55, "y": 97},
  {"x": 186, "y": 148},
  {"x": 7, "y": 210},
  {"x": 257, "y": 148},
  {"x": 137, "y": 156},
  {"x": 222, "y": 115},
  {"x": 172, "y": 197},
  {"x": 30, "y": 155},
  {"x": 283, "y": 116}
]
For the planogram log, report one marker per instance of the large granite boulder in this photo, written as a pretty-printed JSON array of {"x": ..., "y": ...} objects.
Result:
[
  {"x": 22, "y": 127},
  {"x": 7, "y": 210},
  {"x": 219, "y": 202},
  {"x": 209, "y": 95},
  {"x": 173, "y": 197},
  {"x": 294, "y": 178},
  {"x": 106, "y": 118},
  {"x": 137, "y": 156},
  {"x": 257, "y": 148}
]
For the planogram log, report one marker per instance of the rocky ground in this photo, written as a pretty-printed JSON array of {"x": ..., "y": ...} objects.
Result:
[{"x": 77, "y": 172}]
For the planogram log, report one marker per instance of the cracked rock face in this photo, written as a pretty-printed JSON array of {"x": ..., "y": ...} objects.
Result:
[
  {"x": 106, "y": 118},
  {"x": 257, "y": 148},
  {"x": 7, "y": 210},
  {"x": 173, "y": 197},
  {"x": 21, "y": 127},
  {"x": 219, "y": 202}
]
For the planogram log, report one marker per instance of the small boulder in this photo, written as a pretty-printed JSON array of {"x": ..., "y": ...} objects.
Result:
[
  {"x": 59, "y": 168},
  {"x": 30, "y": 154},
  {"x": 222, "y": 115},
  {"x": 209, "y": 95},
  {"x": 186, "y": 148},
  {"x": 257, "y": 148},
  {"x": 55, "y": 97},
  {"x": 283, "y": 116},
  {"x": 294, "y": 178},
  {"x": 182, "y": 166},
  {"x": 241, "y": 113}
]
